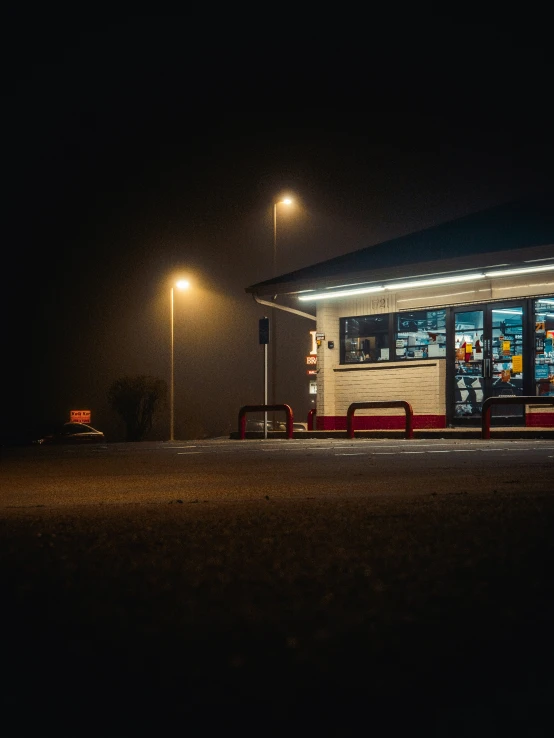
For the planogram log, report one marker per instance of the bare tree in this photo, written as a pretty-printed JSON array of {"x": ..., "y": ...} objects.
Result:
[{"x": 136, "y": 399}]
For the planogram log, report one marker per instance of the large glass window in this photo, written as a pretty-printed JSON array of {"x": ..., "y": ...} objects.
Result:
[
  {"x": 420, "y": 334},
  {"x": 411, "y": 335},
  {"x": 544, "y": 350},
  {"x": 365, "y": 339}
]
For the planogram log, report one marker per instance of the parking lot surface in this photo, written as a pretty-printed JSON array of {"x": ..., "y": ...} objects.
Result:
[{"x": 279, "y": 587}]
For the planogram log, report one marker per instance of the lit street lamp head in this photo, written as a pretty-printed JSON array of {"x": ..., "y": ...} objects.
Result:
[{"x": 182, "y": 284}]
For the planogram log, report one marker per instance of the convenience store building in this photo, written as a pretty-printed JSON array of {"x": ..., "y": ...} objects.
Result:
[{"x": 442, "y": 318}]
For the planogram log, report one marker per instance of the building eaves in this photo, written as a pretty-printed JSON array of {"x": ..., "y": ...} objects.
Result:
[{"x": 480, "y": 239}]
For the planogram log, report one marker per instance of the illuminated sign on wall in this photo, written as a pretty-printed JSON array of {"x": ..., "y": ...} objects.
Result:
[
  {"x": 311, "y": 360},
  {"x": 79, "y": 416},
  {"x": 314, "y": 343}
]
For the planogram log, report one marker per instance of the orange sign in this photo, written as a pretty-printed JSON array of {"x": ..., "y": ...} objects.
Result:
[{"x": 79, "y": 416}]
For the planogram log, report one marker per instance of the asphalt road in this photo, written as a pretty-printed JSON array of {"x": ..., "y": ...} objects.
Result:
[
  {"x": 225, "y": 470},
  {"x": 278, "y": 588}
]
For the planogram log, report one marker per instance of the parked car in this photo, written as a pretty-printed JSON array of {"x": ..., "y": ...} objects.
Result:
[
  {"x": 278, "y": 425},
  {"x": 73, "y": 433},
  {"x": 258, "y": 425},
  {"x": 254, "y": 425}
]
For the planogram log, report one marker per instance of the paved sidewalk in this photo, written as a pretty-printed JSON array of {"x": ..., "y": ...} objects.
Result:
[{"x": 474, "y": 432}]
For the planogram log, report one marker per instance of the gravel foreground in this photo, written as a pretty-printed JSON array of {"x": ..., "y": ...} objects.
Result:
[{"x": 281, "y": 617}]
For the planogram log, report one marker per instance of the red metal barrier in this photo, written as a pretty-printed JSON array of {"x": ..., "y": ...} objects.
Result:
[
  {"x": 264, "y": 408},
  {"x": 311, "y": 420},
  {"x": 511, "y": 400},
  {"x": 386, "y": 403}
]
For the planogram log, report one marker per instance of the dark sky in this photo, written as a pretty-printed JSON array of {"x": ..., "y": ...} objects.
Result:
[{"x": 140, "y": 146}]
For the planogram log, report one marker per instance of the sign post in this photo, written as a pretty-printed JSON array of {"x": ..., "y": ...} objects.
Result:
[{"x": 264, "y": 339}]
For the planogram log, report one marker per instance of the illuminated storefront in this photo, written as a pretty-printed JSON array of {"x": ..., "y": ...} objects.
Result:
[{"x": 442, "y": 318}]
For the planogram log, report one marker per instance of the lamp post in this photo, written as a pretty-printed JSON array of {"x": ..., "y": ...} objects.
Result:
[
  {"x": 182, "y": 284},
  {"x": 284, "y": 201}
]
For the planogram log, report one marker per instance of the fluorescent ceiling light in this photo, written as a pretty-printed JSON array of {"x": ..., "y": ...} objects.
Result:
[
  {"x": 342, "y": 293},
  {"x": 414, "y": 284},
  {"x": 427, "y": 282},
  {"x": 340, "y": 286},
  {"x": 523, "y": 270}
]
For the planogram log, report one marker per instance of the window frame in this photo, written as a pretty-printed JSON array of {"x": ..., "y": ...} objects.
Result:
[
  {"x": 342, "y": 334},
  {"x": 442, "y": 331},
  {"x": 392, "y": 332}
]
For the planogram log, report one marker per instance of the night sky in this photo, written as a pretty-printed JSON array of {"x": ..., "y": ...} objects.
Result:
[{"x": 138, "y": 148}]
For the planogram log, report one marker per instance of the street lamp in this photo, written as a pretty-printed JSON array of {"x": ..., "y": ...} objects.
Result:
[
  {"x": 182, "y": 284},
  {"x": 284, "y": 201}
]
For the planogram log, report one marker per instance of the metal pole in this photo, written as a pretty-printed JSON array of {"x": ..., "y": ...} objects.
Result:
[
  {"x": 275, "y": 239},
  {"x": 265, "y": 389},
  {"x": 172, "y": 382},
  {"x": 274, "y": 318}
]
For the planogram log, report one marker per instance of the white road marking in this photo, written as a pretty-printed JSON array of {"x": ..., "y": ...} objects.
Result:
[{"x": 368, "y": 447}]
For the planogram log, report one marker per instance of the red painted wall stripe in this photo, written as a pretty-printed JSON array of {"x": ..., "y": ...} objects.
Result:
[
  {"x": 379, "y": 422},
  {"x": 539, "y": 420}
]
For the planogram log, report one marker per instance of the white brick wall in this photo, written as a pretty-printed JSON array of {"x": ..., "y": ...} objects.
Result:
[
  {"x": 327, "y": 359},
  {"x": 539, "y": 409},
  {"x": 421, "y": 383}
]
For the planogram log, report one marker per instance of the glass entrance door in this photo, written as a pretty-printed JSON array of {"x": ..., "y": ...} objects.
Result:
[
  {"x": 469, "y": 366},
  {"x": 505, "y": 374},
  {"x": 488, "y": 351}
]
